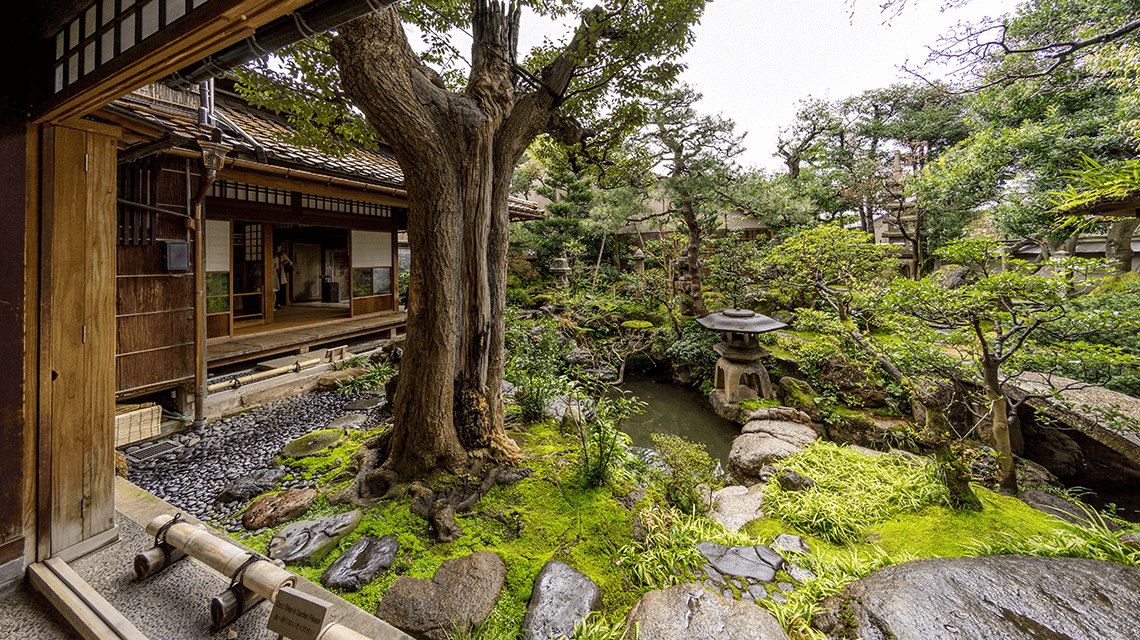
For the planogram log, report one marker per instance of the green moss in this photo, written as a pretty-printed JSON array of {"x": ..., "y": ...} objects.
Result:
[
  {"x": 637, "y": 324},
  {"x": 800, "y": 395}
]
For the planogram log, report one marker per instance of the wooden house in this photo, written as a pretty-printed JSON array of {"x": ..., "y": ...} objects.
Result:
[{"x": 99, "y": 195}]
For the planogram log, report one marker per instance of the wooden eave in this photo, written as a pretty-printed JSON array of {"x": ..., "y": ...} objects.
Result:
[{"x": 215, "y": 25}]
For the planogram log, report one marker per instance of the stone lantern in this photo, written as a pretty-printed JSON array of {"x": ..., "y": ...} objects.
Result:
[
  {"x": 739, "y": 374},
  {"x": 560, "y": 269},
  {"x": 638, "y": 260}
]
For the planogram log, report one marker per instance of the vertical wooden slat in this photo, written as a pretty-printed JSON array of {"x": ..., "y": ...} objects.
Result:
[
  {"x": 44, "y": 448},
  {"x": 69, "y": 428},
  {"x": 100, "y": 321}
]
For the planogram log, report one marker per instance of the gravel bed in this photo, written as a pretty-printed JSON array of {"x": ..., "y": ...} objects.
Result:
[{"x": 224, "y": 450}]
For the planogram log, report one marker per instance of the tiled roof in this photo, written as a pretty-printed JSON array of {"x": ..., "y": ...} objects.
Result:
[{"x": 268, "y": 130}]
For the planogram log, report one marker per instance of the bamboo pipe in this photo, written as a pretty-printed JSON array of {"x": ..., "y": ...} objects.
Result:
[
  {"x": 155, "y": 559},
  {"x": 261, "y": 375},
  {"x": 262, "y": 577},
  {"x": 228, "y": 606}
]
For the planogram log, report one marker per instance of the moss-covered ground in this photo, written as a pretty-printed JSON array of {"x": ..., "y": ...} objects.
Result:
[{"x": 553, "y": 516}]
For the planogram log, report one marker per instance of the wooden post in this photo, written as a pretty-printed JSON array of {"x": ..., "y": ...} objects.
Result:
[
  {"x": 228, "y": 606},
  {"x": 155, "y": 559}
]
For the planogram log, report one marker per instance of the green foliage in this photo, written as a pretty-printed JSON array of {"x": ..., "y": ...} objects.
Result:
[
  {"x": 518, "y": 298},
  {"x": 373, "y": 378},
  {"x": 827, "y": 262},
  {"x": 734, "y": 269},
  {"x": 687, "y": 465},
  {"x": 693, "y": 349},
  {"x": 536, "y": 351},
  {"x": 604, "y": 455},
  {"x": 853, "y": 491},
  {"x": 1093, "y": 542},
  {"x": 350, "y": 363},
  {"x": 667, "y": 552}
]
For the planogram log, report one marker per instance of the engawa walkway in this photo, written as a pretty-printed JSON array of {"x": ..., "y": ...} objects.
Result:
[{"x": 268, "y": 341}]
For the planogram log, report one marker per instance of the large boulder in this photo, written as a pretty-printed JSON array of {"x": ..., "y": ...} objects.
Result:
[
  {"x": 799, "y": 394},
  {"x": 563, "y": 597},
  {"x": 254, "y": 484},
  {"x": 459, "y": 598},
  {"x": 276, "y": 508},
  {"x": 851, "y": 381},
  {"x": 360, "y": 565},
  {"x": 1064, "y": 510},
  {"x": 691, "y": 612},
  {"x": 988, "y": 597},
  {"x": 307, "y": 542},
  {"x": 763, "y": 442}
]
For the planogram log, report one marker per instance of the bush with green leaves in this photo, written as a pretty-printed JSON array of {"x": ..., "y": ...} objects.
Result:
[
  {"x": 667, "y": 552},
  {"x": 373, "y": 378},
  {"x": 853, "y": 491},
  {"x": 536, "y": 353},
  {"x": 604, "y": 456},
  {"x": 687, "y": 465},
  {"x": 694, "y": 349}
]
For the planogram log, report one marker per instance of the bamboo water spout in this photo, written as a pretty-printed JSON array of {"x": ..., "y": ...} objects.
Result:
[{"x": 261, "y": 577}]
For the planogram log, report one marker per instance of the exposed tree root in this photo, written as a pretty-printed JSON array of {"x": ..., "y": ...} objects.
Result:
[{"x": 439, "y": 508}]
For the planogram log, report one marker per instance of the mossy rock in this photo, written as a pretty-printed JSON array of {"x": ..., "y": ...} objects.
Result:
[
  {"x": 799, "y": 394},
  {"x": 317, "y": 443},
  {"x": 637, "y": 324}
]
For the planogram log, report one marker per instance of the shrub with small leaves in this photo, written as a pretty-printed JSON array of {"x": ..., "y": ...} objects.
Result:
[{"x": 687, "y": 465}]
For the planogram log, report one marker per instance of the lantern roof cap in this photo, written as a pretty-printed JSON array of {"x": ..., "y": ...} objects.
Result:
[{"x": 741, "y": 320}]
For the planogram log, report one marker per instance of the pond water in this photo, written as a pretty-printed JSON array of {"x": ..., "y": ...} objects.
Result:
[{"x": 680, "y": 411}]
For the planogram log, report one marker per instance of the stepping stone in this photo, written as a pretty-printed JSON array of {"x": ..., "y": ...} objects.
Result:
[
  {"x": 786, "y": 587},
  {"x": 737, "y": 561},
  {"x": 274, "y": 509},
  {"x": 758, "y": 592},
  {"x": 456, "y": 600},
  {"x": 798, "y": 573},
  {"x": 563, "y": 597},
  {"x": 363, "y": 405},
  {"x": 791, "y": 543},
  {"x": 363, "y": 561},
  {"x": 737, "y": 506},
  {"x": 307, "y": 542},
  {"x": 317, "y": 443},
  {"x": 348, "y": 421},
  {"x": 257, "y": 483}
]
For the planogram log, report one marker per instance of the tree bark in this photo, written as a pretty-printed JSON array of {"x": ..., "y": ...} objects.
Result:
[
  {"x": 1118, "y": 243},
  {"x": 457, "y": 152},
  {"x": 1007, "y": 466},
  {"x": 696, "y": 285}
]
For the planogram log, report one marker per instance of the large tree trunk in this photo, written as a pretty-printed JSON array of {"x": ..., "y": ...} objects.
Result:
[{"x": 457, "y": 152}]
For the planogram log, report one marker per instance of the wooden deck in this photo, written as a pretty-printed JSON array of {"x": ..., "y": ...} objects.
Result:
[{"x": 297, "y": 329}]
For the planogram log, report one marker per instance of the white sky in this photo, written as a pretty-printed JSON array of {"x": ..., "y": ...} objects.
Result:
[{"x": 754, "y": 60}]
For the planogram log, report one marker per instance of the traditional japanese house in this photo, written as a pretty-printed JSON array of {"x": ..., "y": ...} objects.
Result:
[{"x": 334, "y": 218}]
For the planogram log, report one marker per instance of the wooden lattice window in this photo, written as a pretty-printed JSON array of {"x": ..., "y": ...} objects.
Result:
[{"x": 136, "y": 184}]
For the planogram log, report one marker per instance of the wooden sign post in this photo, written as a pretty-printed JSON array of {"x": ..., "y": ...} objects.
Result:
[{"x": 297, "y": 616}]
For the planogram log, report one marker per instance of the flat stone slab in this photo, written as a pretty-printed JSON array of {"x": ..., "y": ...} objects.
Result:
[
  {"x": 274, "y": 509},
  {"x": 737, "y": 506},
  {"x": 363, "y": 561},
  {"x": 796, "y": 433},
  {"x": 314, "y": 444},
  {"x": 563, "y": 597},
  {"x": 363, "y": 405},
  {"x": 988, "y": 598},
  {"x": 254, "y": 484},
  {"x": 786, "y": 542},
  {"x": 348, "y": 421},
  {"x": 741, "y": 561},
  {"x": 691, "y": 612},
  {"x": 307, "y": 542}
]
